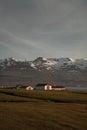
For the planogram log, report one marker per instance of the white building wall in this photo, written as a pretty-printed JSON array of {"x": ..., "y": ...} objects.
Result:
[
  {"x": 48, "y": 87},
  {"x": 44, "y": 87}
]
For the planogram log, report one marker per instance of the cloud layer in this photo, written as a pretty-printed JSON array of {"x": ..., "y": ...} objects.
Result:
[{"x": 48, "y": 28}]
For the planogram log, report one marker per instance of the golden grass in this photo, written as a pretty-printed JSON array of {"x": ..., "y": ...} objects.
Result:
[
  {"x": 9, "y": 98},
  {"x": 42, "y": 114},
  {"x": 57, "y": 96}
]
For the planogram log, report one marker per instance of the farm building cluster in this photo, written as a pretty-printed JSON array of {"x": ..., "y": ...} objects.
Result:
[{"x": 41, "y": 86}]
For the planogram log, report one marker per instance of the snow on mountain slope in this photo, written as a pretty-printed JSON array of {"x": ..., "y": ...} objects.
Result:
[
  {"x": 43, "y": 63},
  {"x": 7, "y": 62},
  {"x": 81, "y": 63},
  {"x": 53, "y": 63},
  {"x": 63, "y": 62},
  {"x": 46, "y": 63}
]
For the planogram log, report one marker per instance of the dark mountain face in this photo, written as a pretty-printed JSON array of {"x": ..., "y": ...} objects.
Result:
[{"x": 62, "y": 71}]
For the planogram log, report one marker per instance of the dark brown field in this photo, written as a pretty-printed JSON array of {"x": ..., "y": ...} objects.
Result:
[{"x": 42, "y": 110}]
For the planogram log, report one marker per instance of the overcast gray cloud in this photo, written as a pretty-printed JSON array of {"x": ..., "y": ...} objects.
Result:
[{"x": 48, "y": 28}]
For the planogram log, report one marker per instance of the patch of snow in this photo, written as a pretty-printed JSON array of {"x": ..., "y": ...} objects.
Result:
[
  {"x": 48, "y": 68},
  {"x": 50, "y": 63},
  {"x": 33, "y": 66},
  {"x": 72, "y": 60},
  {"x": 44, "y": 59}
]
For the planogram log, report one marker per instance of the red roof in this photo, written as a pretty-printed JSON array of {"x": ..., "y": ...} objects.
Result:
[
  {"x": 58, "y": 87},
  {"x": 42, "y": 84}
]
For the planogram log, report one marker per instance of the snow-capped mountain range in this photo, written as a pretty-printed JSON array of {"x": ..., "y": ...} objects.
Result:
[
  {"x": 60, "y": 71},
  {"x": 45, "y": 64}
]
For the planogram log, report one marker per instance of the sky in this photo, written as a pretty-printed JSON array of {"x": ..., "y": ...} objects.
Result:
[{"x": 43, "y": 28}]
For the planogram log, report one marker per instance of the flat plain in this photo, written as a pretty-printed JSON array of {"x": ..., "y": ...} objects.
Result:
[{"x": 42, "y": 110}]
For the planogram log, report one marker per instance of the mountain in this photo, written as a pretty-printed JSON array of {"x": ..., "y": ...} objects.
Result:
[
  {"x": 62, "y": 71},
  {"x": 45, "y": 63},
  {"x": 60, "y": 63}
]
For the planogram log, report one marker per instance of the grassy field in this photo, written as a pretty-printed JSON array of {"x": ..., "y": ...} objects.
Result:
[{"x": 42, "y": 110}]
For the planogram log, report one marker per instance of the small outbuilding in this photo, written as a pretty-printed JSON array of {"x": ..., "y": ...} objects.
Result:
[
  {"x": 43, "y": 86},
  {"x": 26, "y": 87},
  {"x": 29, "y": 88}
]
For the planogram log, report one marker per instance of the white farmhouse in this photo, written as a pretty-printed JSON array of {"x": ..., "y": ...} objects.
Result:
[{"x": 43, "y": 86}]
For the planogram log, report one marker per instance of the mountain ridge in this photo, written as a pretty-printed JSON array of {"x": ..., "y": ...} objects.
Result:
[
  {"x": 46, "y": 63},
  {"x": 60, "y": 71}
]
